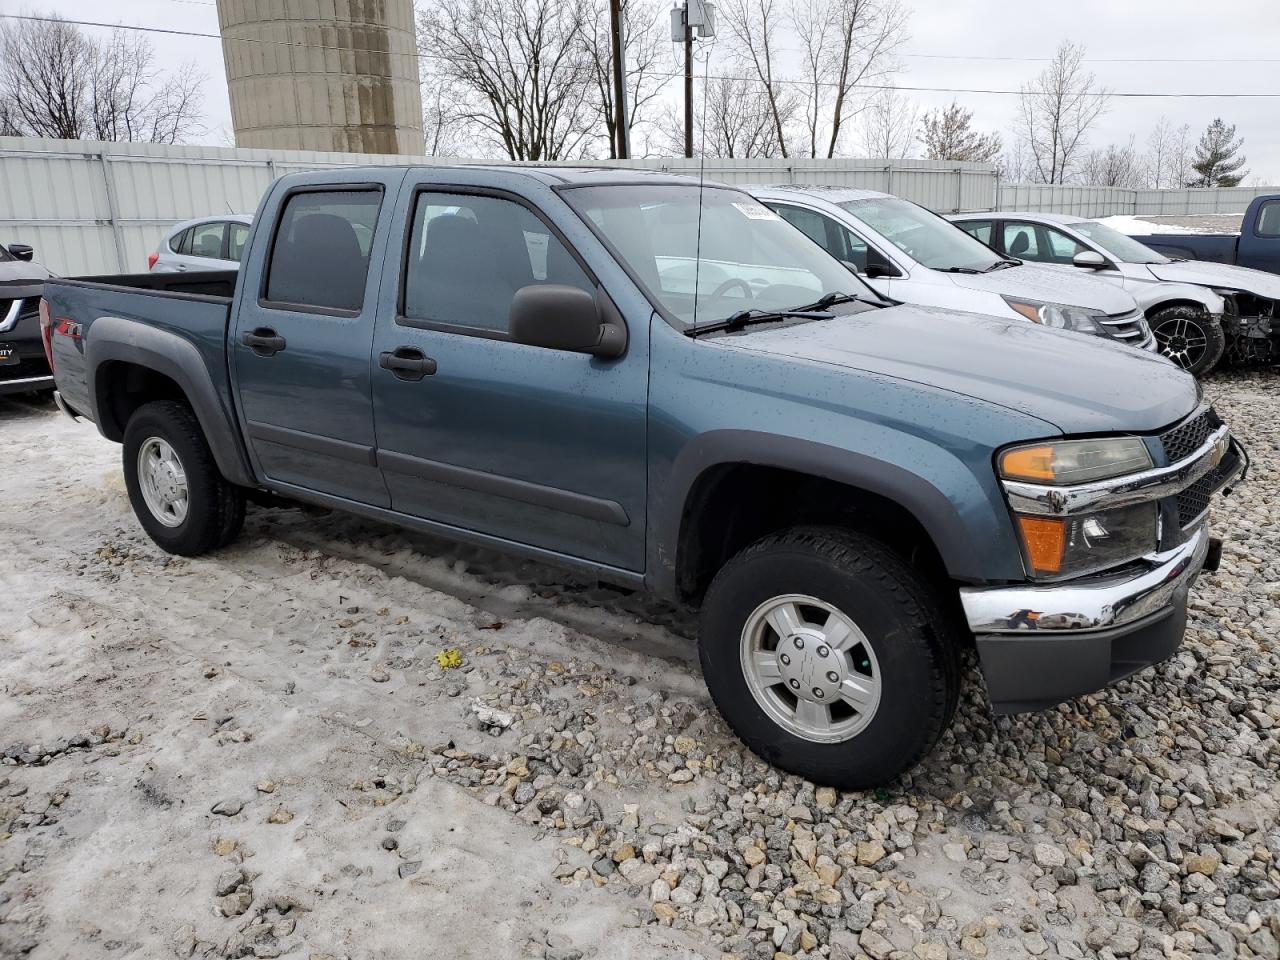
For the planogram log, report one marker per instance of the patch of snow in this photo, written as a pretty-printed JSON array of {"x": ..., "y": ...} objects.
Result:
[{"x": 1138, "y": 227}]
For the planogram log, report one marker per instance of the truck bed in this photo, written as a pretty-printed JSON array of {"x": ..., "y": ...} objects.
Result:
[
  {"x": 196, "y": 306},
  {"x": 1213, "y": 247}
]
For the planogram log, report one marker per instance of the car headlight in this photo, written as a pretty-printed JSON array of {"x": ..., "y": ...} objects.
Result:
[
  {"x": 1063, "y": 462},
  {"x": 1055, "y": 547},
  {"x": 1060, "y": 316}
]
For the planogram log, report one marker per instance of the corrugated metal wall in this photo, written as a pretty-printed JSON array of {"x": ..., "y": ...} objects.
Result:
[
  {"x": 92, "y": 207},
  {"x": 1107, "y": 201}
]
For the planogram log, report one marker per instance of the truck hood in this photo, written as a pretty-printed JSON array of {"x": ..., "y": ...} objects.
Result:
[
  {"x": 21, "y": 278},
  {"x": 1076, "y": 383},
  {"x": 1222, "y": 275},
  {"x": 1029, "y": 282}
]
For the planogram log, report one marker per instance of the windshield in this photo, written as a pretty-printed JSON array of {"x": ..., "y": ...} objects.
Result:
[
  {"x": 750, "y": 258},
  {"x": 1120, "y": 247},
  {"x": 923, "y": 236}
]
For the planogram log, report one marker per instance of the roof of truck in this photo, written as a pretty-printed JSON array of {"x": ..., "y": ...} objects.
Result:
[{"x": 553, "y": 174}]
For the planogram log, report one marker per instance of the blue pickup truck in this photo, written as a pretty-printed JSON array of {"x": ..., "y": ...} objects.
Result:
[
  {"x": 664, "y": 385},
  {"x": 1257, "y": 245}
]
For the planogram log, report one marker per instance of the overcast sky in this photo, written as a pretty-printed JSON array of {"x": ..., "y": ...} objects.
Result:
[{"x": 1185, "y": 32}]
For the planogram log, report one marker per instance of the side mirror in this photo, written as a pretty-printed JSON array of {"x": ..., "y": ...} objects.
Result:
[
  {"x": 876, "y": 270},
  {"x": 21, "y": 251},
  {"x": 852, "y": 267},
  {"x": 1090, "y": 260},
  {"x": 562, "y": 317}
]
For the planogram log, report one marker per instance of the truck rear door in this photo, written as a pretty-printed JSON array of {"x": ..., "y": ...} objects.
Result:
[
  {"x": 534, "y": 446},
  {"x": 302, "y": 334}
]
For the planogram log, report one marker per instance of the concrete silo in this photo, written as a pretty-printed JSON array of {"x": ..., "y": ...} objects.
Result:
[{"x": 323, "y": 74}]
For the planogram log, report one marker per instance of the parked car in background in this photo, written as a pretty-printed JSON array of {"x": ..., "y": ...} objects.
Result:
[
  {"x": 1197, "y": 310},
  {"x": 23, "y": 366},
  {"x": 661, "y": 384},
  {"x": 1257, "y": 245},
  {"x": 910, "y": 254},
  {"x": 207, "y": 243}
]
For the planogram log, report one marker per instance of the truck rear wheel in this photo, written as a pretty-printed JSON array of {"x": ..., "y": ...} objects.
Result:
[
  {"x": 1189, "y": 337},
  {"x": 177, "y": 492},
  {"x": 829, "y": 657}
]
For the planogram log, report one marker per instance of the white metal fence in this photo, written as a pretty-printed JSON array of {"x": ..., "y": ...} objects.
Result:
[
  {"x": 1107, "y": 201},
  {"x": 91, "y": 207}
]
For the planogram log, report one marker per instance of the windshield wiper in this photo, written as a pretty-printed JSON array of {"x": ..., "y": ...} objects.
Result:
[
  {"x": 831, "y": 300},
  {"x": 744, "y": 317},
  {"x": 960, "y": 270},
  {"x": 1002, "y": 265}
]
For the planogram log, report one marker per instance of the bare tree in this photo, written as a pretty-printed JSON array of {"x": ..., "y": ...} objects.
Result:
[
  {"x": 442, "y": 120},
  {"x": 889, "y": 126},
  {"x": 519, "y": 69},
  {"x": 737, "y": 122},
  {"x": 948, "y": 134},
  {"x": 1056, "y": 111},
  {"x": 59, "y": 82},
  {"x": 843, "y": 44},
  {"x": 753, "y": 27},
  {"x": 1115, "y": 166},
  {"x": 1168, "y": 158},
  {"x": 641, "y": 45}
]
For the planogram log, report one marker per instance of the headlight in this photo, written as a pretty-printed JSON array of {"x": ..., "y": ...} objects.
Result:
[
  {"x": 1074, "y": 546},
  {"x": 1063, "y": 462},
  {"x": 1060, "y": 316}
]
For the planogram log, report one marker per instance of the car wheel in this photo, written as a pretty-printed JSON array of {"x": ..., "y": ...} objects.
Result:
[
  {"x": 1189, "y": 337},
  {"x": 177, "y": 492},
  {"x": 829, "y": 657}
]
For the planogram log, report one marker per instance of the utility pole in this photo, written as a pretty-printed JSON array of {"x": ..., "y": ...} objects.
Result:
[
  {"x": 621, "y": 114},
  {"x": 692, "y": 15}
]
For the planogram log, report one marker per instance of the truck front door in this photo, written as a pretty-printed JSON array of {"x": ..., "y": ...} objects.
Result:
[
  {"x": 534, "y": 446},
  {"x": 303, "y": 331}
]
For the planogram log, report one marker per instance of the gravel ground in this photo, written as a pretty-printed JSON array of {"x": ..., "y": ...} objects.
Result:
[
  {"x": 258, "y": 754},
  {"x": 1204, "y": 222}
]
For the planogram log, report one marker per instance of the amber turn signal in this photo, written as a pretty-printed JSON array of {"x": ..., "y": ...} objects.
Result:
[
  {"x": 1044, "y": 539},
  {"x": 1028, "y": 463}
]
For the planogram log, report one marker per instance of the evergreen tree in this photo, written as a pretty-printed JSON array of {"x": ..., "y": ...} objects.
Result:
[
  {"x": 948, "y": 135},
  {"x": 1216, "y": 163}
]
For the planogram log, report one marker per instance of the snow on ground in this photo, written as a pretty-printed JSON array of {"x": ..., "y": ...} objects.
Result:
[
  {"x": 255, "y": 753},
  {"x": 1138, "y": 227},
  {"x": 1202, "y": 223}
]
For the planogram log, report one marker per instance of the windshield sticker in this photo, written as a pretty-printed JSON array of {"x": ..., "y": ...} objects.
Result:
[{"x": 756, "y": 211}]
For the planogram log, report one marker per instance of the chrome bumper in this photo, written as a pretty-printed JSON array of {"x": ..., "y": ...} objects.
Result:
[{"x": 1090, "y": 603}]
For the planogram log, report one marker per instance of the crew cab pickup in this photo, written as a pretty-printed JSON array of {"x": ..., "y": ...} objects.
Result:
[
  {"x": 663, "y": 385},
  {"x": 1257, "y": 245}
]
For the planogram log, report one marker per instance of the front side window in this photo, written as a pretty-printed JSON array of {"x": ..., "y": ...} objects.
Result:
[
  {"x": 237, "y": 236},
  {"x": 1269, "y": 219},
  {"x": 468, "y": 255},
  {"x": 702, "y": 255},
  {"x": 1062, "y": 249},
  {"x": 206, "y": 239},
  {"x": 1020, "y": 241},
  {"x": 320, "y": 258},
  {"x": 923, "y": 236}
]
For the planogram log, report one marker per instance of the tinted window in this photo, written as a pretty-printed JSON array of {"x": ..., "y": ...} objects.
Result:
[
  {"x": 4, "y": 254},
  {"x": 321, "y": 252},
  {"x": 812, "y": 225},
  {"x": 469, "y": 255},
  {"x": 979, "y": 229},
  {"x": 1269, "y": 219},
  {"x": 182, "y": 242},
  {"x": 239, "y": 233}
]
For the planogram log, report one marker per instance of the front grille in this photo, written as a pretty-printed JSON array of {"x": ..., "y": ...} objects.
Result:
[
  {"x": 9, "y": 310},
  {"x": 23, "y": 369},
  {"x": 1190, "y": 435},
  {"x": 1194, "y": 501},
  {"x": 1130, "y": 327}
]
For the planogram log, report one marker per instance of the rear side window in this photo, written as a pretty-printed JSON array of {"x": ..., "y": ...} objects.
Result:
[
  {"x": 181, "y": 243},
  {"x": 237, "y": 234},
  {"x": 206, "y": 239},
  {"x": 320, "y": 258},
  {"x": 468, "y": 255},
  {"x": 1269, "y": 219},
  {"x": 978, "y": 229}
]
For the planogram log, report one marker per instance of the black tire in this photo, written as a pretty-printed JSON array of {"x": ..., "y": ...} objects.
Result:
[
  {"x": 914, "y": 642},
  {"x": 215, "y": 508},
  {"x": 1189, "y": 337}
]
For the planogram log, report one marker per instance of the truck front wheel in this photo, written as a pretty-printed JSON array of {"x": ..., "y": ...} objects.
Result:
[
  {"x": 177, "y": 492},
  {"x": 1189, "y": 337},
  {"x": 829, "y": 656}
]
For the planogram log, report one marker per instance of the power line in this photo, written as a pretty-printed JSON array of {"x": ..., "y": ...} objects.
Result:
[
  {"x": 965, "y": 56},
  {"x": 981, "y": 91}
]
